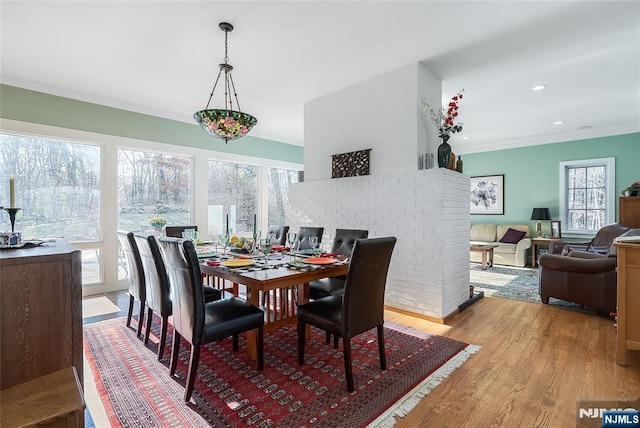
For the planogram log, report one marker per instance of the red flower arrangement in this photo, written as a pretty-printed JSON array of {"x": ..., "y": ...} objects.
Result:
[{"x": 444, "y": 119}]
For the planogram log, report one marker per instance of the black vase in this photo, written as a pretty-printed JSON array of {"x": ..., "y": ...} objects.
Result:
[{"x": 444, "y": 154}]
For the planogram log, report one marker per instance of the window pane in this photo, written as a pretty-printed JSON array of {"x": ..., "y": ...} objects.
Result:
[
  {"x": 150, "y": 185},
  {"x": 91, "y": 267},
  {"x": 577, "y": 220},
  {"x": 596, "y": 176},
  {"x": 233, "y": 191},
  {"x": 577, "y": 199},
  {"x": 57, "y": 187},
  {"x": 596, "y": 198},
  {"x": 279, "y": 181},
  {"x": 577, "y": 177}
]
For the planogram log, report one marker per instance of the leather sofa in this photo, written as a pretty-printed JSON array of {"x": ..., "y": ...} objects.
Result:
[
  {"x": 585, "y": 277},
  {"x": 505, "y": 253}
]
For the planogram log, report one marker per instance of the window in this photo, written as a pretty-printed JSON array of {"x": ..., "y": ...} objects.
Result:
[
  {"x": 278, "y": 193},
  {"x": 150, "y": 185},
  {"x": 57, "y": 187},
  {"x": 233, "y": 191},
  {"x": 587, "y": 189}
]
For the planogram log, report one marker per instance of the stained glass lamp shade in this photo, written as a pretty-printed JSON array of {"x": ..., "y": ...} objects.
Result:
[{"x": 226, "y": 123}]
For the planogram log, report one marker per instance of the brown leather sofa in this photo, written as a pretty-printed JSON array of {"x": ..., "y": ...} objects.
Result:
[
  {"x": 584, "y": 277},
  {"x": 599, "y": 244}
]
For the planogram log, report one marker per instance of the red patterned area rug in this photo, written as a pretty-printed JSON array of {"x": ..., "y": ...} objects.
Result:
[{"x": 137, "y": 391}]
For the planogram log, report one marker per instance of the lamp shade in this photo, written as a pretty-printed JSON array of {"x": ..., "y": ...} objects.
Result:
[{"x": 541, "y": 214}]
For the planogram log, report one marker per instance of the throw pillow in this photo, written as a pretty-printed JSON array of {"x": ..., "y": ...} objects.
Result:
[{"x": 512, "y": 236}]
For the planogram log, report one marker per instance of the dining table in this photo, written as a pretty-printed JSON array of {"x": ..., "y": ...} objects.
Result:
[{"x": 285, "y": 282}]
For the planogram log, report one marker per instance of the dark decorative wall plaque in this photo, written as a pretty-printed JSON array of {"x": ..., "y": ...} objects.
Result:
[{"x": 350, "y": 164}]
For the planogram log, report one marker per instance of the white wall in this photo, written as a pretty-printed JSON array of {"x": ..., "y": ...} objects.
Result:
[
  {"x": 426, "y": 210},
  {"x": 378, "y": 114}
]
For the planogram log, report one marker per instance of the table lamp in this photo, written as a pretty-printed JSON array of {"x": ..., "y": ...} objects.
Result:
[{"x": 540, "y": 214}]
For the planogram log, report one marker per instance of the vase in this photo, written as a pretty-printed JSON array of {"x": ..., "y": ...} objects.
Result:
[{"x": 444, "y": 153}]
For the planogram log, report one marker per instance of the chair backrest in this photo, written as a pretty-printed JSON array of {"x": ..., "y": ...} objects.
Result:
[
  {"x": 176, "y": 231},
  {"x": 136, "y": 273},
  {"x": 606, "y": 235},
  {"x": 280, "y": 233},
  {"x": 155, "y": 273},
  {"x": 363, "y": 297},
  {"x": 345, "y": 239},
  {"x": 184, "y": 274},
  {"x": 305, "y": 232}
]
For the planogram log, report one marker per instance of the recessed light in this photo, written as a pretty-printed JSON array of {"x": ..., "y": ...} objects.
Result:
[
  {"x": 586, "y": 127},
  {"x": 538, "y": 87},
  {"x": 466, "y": 137},
  {"x": 558, "y": 122}
]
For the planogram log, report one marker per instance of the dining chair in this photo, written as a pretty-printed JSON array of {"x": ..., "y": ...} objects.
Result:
[
  {"x": 158, "y": 287},
  {"x": 176, "y": 231},
  {"x": 280, "y": 233},
  {"x": 305, "y": 232},
  {"x": 343, "y": 243},
  {"x": 361, "y": 306},
  {"x": 137, "y": 288},
  {"x": 198, "y": 322}
]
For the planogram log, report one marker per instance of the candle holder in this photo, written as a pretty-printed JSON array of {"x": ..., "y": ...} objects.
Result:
[{"x": 12, "y": 216}]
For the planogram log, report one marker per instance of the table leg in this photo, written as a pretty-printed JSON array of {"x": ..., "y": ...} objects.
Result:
[
  {"x": 491, "y": 257},
  {"x": 484, "y": 259},
  {"x": 303, "y": 297},
  {"x": 252, "y": 335}
]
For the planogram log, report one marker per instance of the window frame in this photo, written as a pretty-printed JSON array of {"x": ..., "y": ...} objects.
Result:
[{"x": 610, "y": 197}]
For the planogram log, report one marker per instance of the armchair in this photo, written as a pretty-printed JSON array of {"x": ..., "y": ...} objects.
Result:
[
  {"x": 599, "y": 244},
  {"x": 581, "y": 277}
]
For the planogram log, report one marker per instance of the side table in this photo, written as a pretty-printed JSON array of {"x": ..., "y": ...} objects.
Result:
[{"x": 535, "y": 243}]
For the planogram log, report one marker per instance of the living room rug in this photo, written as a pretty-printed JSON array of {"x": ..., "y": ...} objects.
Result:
[
  {"x": 517, "y": 283},
  {"x": 137, "y": 390}
]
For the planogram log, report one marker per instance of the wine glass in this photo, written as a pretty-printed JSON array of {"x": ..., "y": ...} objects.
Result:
[
  {"x": 291, "y": 239},
  {"x": 313, "y": 243},
  {"x": 224, "y": 240},
  {"x": 266, "y": 245}
]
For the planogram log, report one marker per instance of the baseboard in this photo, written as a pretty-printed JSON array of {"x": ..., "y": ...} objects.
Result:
[{"x": 417, "y": 315}]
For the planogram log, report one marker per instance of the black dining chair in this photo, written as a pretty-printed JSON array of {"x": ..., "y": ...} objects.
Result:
[
  {"x": 279, "y": 233},
  {"x": 176, "y": 231},
  {"x": 137, "y": 288},
  {"x": 305, "y": 232},
  {"x": 158, "y": 288},
  {"x": 361, "y": 306},
  {"x": 343, "y": 243},
  {"x": 198, "y": 322}
]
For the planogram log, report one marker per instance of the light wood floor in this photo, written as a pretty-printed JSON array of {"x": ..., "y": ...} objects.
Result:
[{"x": 536, "y": 361}]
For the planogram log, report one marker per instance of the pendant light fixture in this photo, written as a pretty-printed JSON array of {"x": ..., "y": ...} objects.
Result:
[{"x": 226, "y": 123}]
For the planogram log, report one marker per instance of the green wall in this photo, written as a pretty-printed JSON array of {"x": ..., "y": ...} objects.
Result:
[
  {"x": 531, "y": 174},
  {"x": 37, "y": 107}
]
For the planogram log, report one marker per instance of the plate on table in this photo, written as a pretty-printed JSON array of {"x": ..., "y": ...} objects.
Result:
[
  {"x": 320, "y": 261},
  {"x": 204, "y": 242},
  {"x": 307, "y": 252},
  {"x": 237, "y": 263}
]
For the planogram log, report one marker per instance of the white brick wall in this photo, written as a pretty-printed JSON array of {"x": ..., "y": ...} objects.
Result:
[{"x": 426, "y": 210}]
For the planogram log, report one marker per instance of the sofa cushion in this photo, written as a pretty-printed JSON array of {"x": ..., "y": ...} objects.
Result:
[
  {"x": 512, "y": 236},
  {"x": 503, "y": 228},
  {"x": 483, "y": 232}
]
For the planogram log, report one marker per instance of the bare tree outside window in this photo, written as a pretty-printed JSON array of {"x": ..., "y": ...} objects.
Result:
[
  {"x": 151, "y": 185},
  {"x": 57, "y": 186},
  {"x": 278, "y": 193},
  {"x": 233, "y": 191},
  {"x": 586, "y": 194}
]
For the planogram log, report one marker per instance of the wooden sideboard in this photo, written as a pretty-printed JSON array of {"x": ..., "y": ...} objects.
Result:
[
  {"x": 629, "y": 211},
  {"x": 40, "y": 312},
  {"x": 628, "y": 299}
]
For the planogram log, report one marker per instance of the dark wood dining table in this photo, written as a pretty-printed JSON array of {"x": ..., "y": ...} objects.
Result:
[{"x": 284, "y": 286}]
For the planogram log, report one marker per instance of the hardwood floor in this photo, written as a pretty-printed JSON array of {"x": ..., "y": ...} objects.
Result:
[{"x": 536, "y": 361}]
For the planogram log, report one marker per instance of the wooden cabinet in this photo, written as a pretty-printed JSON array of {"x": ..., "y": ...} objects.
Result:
[
  {"x": 629, "y": 211},
  {"x": 628, "y": 299},
  {"x": 40, "y": 312}
]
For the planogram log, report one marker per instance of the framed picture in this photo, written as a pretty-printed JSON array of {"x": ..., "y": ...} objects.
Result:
[
  {"x": 487, "y": 194},
  {"x": 350, "y": 164},
  {"x": 556, "y": 232}
]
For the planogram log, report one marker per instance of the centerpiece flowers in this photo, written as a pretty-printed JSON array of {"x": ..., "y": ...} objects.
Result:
[
  {"x": 157, "y": 222},
  {"x": 445, "y": 123}
]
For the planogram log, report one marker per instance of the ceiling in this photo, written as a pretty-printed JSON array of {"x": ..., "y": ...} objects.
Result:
[{"x": 161, "y": 58}]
